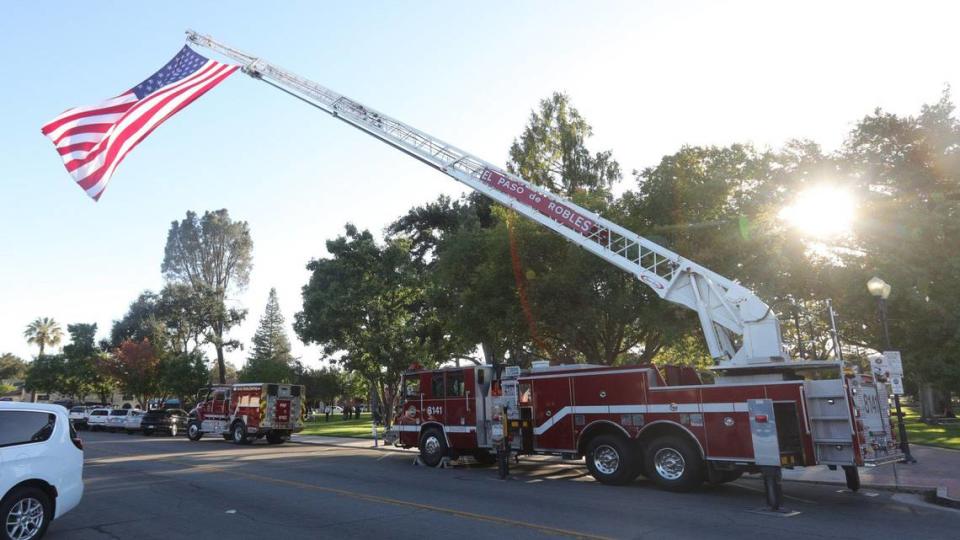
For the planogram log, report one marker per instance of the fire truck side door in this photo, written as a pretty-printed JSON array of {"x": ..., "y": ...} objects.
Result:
[
  {"x": 459, "y": 415},
  {"x": 552, "y": 420}
]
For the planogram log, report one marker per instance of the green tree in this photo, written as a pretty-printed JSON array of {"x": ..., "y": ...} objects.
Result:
[
  {"x": 12, "y": 367},
  {"x": 368, "y": 302},
  {"x": 181, "y": 375},
  {"x": 43, "y": 332},
  {"x": 46, "y": 374},
  {"x": 80, "y": 374},
  {"x": 270, "y": 359},
  {"x": 213, "y": 255}
]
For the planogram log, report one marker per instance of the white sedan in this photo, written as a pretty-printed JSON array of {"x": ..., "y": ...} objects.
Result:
[
  {"x": 131, "y": 422},
  {"x": 42, "y": 474}
]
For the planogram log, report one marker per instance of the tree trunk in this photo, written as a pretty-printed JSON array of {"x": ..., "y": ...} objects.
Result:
[{"x": 927, "y": 402}]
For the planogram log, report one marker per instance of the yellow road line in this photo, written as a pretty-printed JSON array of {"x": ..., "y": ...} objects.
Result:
[{"x": 387, "y": 500}]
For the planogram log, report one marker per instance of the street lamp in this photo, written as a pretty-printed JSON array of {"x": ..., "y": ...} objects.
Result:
[{"x": 881, "y": 289}]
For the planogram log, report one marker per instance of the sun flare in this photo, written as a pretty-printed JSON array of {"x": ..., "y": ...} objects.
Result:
[{"x": 822, "y": 211}]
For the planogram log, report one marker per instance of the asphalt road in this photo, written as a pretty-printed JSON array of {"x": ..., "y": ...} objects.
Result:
[{"x": 159, "y": 487}]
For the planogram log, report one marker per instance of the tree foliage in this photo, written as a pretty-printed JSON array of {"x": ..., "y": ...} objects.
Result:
[
  {"x": 12, "y": 367},
  {"x": 270, "y": 359},
  {"x": 213, "y": 255},
  {"x": 43, "y": 332}
]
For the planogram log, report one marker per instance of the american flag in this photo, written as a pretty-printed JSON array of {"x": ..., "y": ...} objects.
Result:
[{"x": 93, "y": 140}]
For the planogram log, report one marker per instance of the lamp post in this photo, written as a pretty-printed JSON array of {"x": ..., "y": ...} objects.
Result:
[{"x": 881, "y": 289}]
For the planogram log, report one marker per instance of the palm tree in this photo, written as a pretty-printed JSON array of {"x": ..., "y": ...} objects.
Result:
[{"x": 43, "y": 331}]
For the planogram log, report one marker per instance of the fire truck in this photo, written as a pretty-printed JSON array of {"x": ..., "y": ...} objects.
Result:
[
  {"x": 762, "y": 411},
  {"x": 249, "y": 411}
]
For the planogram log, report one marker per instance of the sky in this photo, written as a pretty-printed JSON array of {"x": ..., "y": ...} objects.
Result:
[{"x": 649, "y": 77}]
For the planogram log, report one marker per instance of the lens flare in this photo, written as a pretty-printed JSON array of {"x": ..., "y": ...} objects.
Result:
[{"x": 822, "y": 211}]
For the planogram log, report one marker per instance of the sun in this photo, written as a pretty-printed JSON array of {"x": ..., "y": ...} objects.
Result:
[{"x": 822, "y": 211}]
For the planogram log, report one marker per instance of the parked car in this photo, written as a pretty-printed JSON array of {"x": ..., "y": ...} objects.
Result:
[
  {"x": 97, "y": 419},
  {"x": 131, "y": 423},
  {"x": 78, "y": 417},
  {"x": 42, "y": 476},
  {"x": 172, "y": 421},
  {"x": 117, "y": 419},
  {"x": 333, "y": 410}
]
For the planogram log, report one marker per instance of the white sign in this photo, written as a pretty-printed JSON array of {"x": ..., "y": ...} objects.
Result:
[{"x": 890, "y": 367}]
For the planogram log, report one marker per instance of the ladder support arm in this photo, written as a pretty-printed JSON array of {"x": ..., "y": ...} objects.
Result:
[{"x": 726, "y": 309}]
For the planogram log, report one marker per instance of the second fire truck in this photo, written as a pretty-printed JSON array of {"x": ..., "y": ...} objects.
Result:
[{"x": 245, "y": 412}]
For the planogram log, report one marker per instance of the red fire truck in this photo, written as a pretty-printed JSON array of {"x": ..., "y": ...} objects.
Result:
[
  {"x": 249, "y": 411},
  {"x": 764, "y": 410},
  {"x": 636, "y": 420}
]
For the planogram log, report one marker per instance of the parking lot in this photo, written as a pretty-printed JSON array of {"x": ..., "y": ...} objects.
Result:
[{"x": 162, "y": 487}]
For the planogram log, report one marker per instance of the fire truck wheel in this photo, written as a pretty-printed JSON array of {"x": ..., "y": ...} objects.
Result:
[
  {"x": 239, "y": 433},
  {"x": 193, "y": 431},
  {"x": 432, "y": 447},
  {"x": 674, "y": 464},
  {"x": 275, "y": 438},
  {"x": 609, "y": 460}
]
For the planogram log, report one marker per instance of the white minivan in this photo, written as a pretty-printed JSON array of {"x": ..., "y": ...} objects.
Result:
[{"x": 41, "y": 468}]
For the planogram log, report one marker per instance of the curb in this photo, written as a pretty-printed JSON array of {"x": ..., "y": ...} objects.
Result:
[{"x": 940, "y": 497}]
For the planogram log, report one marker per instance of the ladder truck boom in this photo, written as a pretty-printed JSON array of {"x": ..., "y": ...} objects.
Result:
[{"x": 740, "y": 329}]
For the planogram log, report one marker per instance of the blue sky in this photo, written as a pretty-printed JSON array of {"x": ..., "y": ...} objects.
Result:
[{"x": 649, "y": 77}]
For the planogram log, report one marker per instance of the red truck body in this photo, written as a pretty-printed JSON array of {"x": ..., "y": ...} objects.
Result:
[
  {"x": 731, "y": 427},
  {"x": 248, "y": 411}
]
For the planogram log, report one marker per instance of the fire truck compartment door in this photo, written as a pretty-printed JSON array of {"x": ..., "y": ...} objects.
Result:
[{"x": 763, "y": 429}]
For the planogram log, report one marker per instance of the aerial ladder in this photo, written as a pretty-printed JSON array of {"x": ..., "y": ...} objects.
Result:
[{"x": 741, "y": 331}]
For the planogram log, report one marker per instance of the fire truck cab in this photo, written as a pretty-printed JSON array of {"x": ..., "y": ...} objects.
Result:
[
  {"x": 248, "y": 411},
  {"x": 668, "y": 426}
]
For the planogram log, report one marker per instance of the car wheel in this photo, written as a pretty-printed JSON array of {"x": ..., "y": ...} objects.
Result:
[
  {"x": 26, "y": 513},
  {"x": 239, "y": 433},
  {"x": 609, "y": 460},
  {"x": 193, "y": 431},
  {"x": 432, "y": 447},
  {"x": 674, "y": 464}
]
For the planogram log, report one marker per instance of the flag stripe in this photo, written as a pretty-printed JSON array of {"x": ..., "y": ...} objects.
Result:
[
  {"x": 162, "y": 112},
  {"x": 121, "y": 130},
  {"x": 108, "y": 118},
  {"x": 79, "y": 112}
]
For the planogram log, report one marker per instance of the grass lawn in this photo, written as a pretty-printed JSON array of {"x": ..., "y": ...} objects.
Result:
[
  {"x": 946, "y": 436},
  {"x": 338, "y": 427}
]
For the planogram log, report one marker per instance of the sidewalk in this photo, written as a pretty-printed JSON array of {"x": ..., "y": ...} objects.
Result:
[{"x": 935, "y": 468}]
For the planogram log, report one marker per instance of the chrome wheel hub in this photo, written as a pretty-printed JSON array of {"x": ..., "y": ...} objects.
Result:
[
  {"x": 24, "y": 519},
  {"x": 431, "y": 445},
  {"x": 606, "y": 459},
  {"x": 669, "y": 463}
]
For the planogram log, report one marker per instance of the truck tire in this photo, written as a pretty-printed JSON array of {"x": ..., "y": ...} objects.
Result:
[
  {"x": 853, "y": 477},
  {"x": 674, "y": 464},
  {"x": 433, "y": 447},
  {"x": 239, "y": 433},
  {"x": 609, "y": 460},
  {"x": 25, "y": 502},
  {"x": 275, "y": 438},
  {"x": 194, "y": 433}
]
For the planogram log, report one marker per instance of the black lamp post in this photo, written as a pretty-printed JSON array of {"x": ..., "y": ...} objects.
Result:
[{"x": 881, "y": 290}]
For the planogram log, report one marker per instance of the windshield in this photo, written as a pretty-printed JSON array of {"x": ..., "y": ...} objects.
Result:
[
  {"x": 77, "y": 409},
  {"x": 122, "y": 412}
]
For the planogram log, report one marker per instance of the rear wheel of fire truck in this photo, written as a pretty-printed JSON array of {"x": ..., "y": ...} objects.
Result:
[
  {"x": 239, "y": 433},
  {"x": 432, "y": 447},
  {"x": 609, "y": 460},
  {"x": 674, "y": 464},
  {"x": 275, "y": 438},
  {"x": 193, "y": 431},
  {"x": 853, "y": 477}
]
